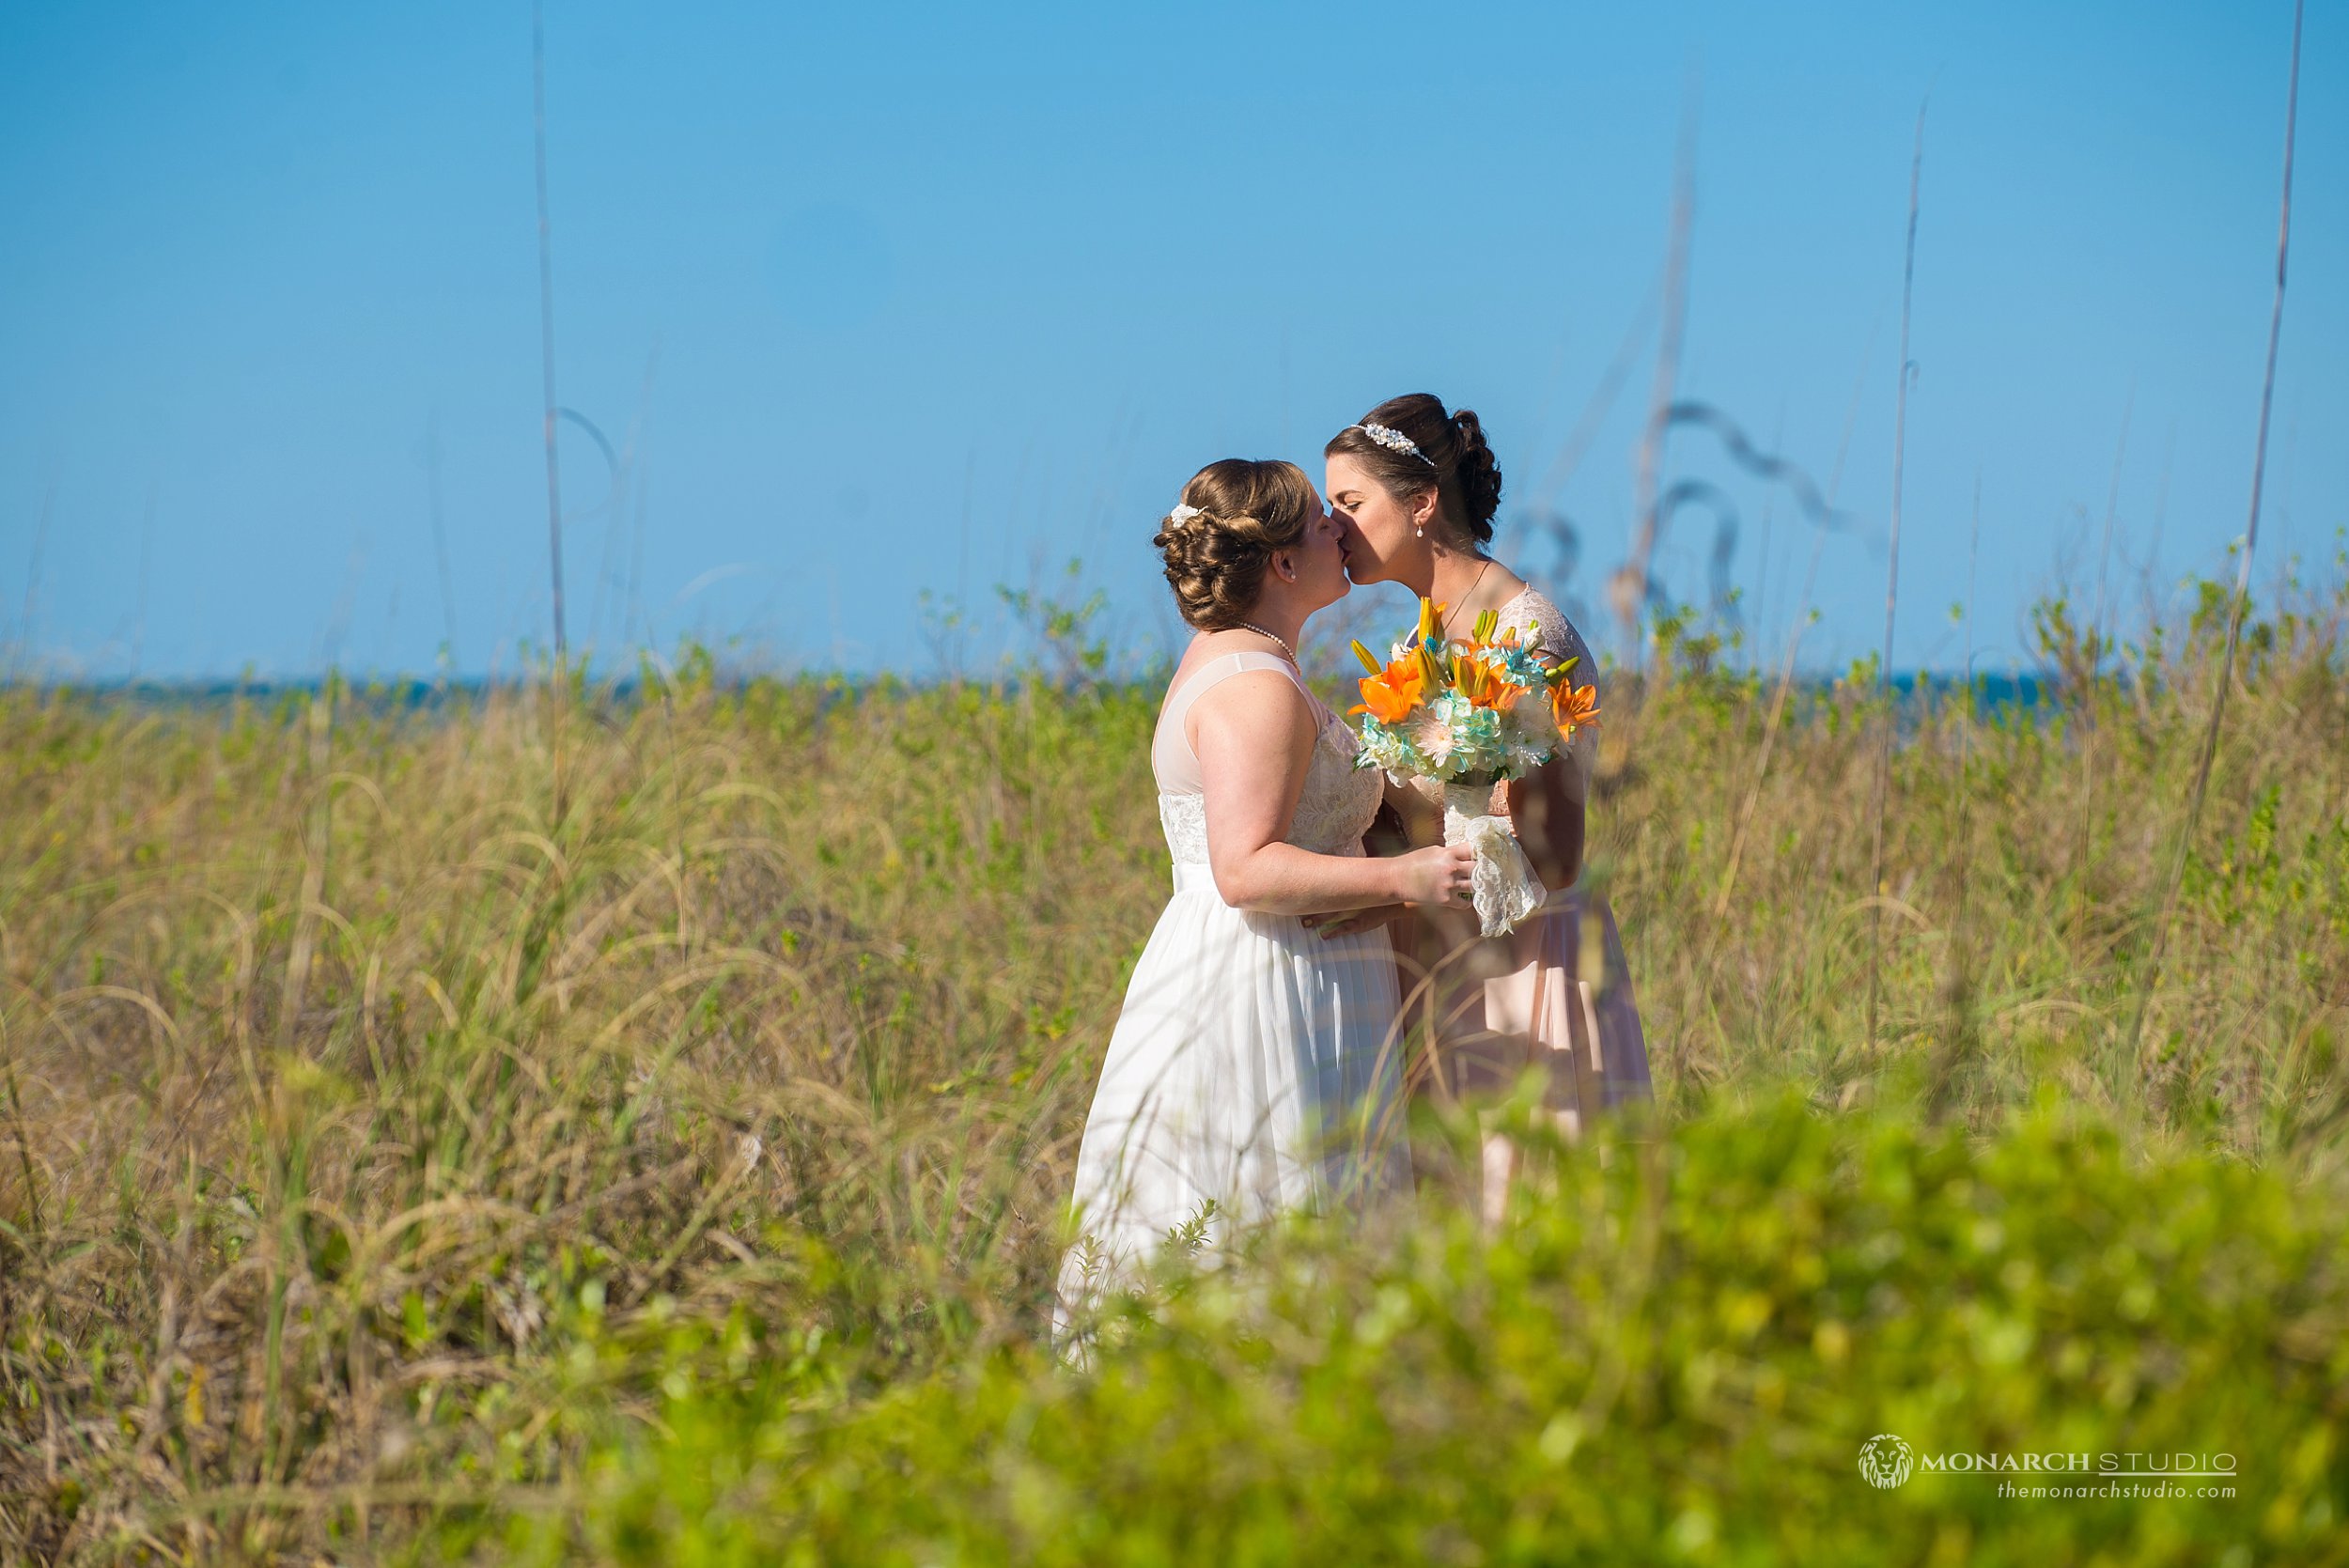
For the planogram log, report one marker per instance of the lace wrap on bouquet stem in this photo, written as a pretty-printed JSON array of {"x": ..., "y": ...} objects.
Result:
[{"x": 1504, "y": 886}]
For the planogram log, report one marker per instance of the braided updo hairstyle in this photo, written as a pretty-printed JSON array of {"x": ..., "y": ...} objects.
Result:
[
  {"x": 1459, "y": 466},
  {"x": 1216, "y": 558}
]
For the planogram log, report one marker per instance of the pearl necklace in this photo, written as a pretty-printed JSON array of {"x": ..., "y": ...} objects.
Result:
[{"x": 1249, "y": 625}]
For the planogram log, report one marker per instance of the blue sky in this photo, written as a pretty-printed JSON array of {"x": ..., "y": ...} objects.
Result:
[{"x": 886, "y": 300}]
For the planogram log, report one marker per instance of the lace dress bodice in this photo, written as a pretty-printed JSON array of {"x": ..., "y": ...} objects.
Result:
[{"x": 1334, "y": 808}]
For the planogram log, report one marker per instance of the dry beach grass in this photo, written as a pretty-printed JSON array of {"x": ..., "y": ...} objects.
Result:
[{"x": 379, "y": 1140}]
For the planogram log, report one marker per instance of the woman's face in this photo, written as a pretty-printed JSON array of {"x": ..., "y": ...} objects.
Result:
[
  {"x": 1381, "y": 545},
  {"x": 1320, "y": 559}
]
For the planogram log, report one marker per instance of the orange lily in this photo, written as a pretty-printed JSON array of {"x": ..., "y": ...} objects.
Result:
[
  {"x": 1576, "y": 707},
  {"x": 1487, "y": 684},
  {"x": 1393, "y": 692}
]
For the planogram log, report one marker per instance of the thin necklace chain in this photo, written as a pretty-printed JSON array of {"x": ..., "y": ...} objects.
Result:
[
  {"x": 1470, "y": 595},
  {"x": 1251, "y": 625}
]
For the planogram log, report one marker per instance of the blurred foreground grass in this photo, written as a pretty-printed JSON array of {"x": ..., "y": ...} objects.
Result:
[{"x": 637, "y": 1130}]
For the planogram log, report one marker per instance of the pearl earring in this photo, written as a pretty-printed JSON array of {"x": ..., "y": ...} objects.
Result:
[{"x": 1418, "y": 531}]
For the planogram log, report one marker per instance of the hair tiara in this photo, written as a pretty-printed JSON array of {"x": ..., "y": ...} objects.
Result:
[{"x": 1393, "y": 441}]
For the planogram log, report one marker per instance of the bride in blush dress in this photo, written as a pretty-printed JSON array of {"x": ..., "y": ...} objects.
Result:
[
  {"x": 1417, "y": 489},
  {"x": 1253, "y": 1067}
]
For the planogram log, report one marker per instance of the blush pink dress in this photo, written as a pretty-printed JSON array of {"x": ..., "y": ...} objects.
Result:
[{"x": 1556, "y": 991}]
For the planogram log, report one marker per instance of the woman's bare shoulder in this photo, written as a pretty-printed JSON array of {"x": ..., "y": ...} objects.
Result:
[{"x": 1254, "y": 694}]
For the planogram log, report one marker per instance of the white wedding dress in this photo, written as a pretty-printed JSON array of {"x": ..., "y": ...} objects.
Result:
[{"x": 1255, "y": 1063}]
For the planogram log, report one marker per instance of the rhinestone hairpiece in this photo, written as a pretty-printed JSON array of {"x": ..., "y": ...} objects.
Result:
[{"x": 1394, "y": 441}]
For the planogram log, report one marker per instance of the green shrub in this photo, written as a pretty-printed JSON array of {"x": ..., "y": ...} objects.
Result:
[{"x": 1672, "y": 1351}]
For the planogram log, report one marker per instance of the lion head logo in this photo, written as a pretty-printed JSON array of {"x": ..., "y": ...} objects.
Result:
[{"x": 1886, "y": 1460}]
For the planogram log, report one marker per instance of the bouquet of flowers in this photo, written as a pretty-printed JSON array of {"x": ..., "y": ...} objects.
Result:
[{"x": 1470, "y": 715}]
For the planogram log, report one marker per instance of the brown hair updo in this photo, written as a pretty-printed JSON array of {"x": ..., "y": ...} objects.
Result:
[
  {"x": 1216, "y": 559},
  {"x": 1459, "y": 465}
]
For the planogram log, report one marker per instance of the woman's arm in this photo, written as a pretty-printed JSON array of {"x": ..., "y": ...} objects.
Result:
[
  {"x": 1546, "y": 812},
  {"x": 1255, "y": 738},
  {"x": 1547, "y": 807}
]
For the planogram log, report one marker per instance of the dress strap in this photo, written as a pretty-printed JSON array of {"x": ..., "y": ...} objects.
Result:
[
  {"x": 1216, "y": 671},
  {"x": 1171, "y": 755}
]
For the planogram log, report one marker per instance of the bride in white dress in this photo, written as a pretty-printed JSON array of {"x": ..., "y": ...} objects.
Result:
[{"x": 1255, "y": 1065}]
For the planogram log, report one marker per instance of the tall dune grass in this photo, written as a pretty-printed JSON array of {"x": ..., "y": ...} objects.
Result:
[{"x": 379, "y": 1141}]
